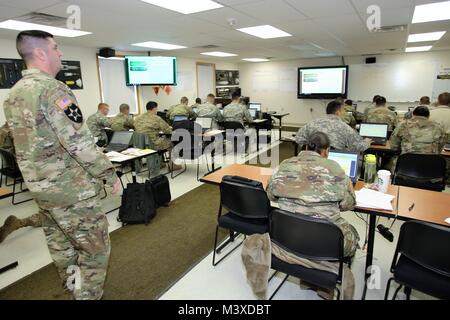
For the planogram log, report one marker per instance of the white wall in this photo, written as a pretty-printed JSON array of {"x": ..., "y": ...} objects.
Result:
[
  {"x": 187, "y": 84},
  {"x": 303, "y": 110},
  {"x": 88, "y": 98}
]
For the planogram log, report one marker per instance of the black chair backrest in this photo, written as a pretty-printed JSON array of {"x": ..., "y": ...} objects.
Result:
[
  {"x": 109, "y": 134},
  {"x": 424, "y": 171},
  {"x": 8, "y": 160},
  {"x": 307, "y": 237},
  {"x": 426, "y": 244},
  {"x": 232, "y": 125},
  {"x": 195, "y": 146},
  {"x": 244, "y": 197}
]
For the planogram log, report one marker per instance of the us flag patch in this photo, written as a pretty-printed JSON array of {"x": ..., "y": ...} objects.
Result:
[{"x": 63, "y": 103}]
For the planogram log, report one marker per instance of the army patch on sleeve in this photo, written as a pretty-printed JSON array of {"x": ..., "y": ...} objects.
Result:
[
  {"x": 64, "y": 103},
  {"x": 74, "y": 113}
]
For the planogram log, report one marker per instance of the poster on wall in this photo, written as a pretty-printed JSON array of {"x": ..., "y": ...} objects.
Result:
[
  {"x": 11, "y": 73},
  {"x": 227, "y": 81},
  {"x": 71, "y": 75}
]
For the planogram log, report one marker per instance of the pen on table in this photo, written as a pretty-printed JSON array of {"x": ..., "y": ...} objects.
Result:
[{"x": 412, "y": 207}]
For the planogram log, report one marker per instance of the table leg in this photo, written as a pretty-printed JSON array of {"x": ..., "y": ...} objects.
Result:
[
  {"x": 281, "y": 127},
  {"x": 257, "y": 138},
  {"x": 370, "y": 246},
  {"x": 133, "y": 171}
]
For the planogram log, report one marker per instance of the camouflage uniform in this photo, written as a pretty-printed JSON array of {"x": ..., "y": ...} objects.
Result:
[
  {"x": 97, "y": 124},
  {"x": 181, "y": 110},
  {"x": 318, "y": 187},
  {"x": 122, "y": 122},
  {"x": 382, "y": 115},
  {"x": 236, "y": 112},
  {"x": 6, "y": 139},
  {"x": 441, "y": 115},
  {"x": 208, "y": 110},
  {"x": 150, "y": 124},
  {"x": 348, "y": 117},
  {"x": 418, "y": 135},
  {"x": 367, "y": 110},
  {"x": 342, "y": 136},
  {"x": 63, "y": 169}
]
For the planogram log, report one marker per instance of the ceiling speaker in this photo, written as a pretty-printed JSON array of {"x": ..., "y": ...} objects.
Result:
[{"x": 107, "y": 53}]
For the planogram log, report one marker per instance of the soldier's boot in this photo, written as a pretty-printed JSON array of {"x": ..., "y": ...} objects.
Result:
[
  {"x": 12, "y": 223},
  {"x": 174, "y": 167}
]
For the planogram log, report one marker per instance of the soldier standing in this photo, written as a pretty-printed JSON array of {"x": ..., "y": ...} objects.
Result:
[
  {"x": 98, "y": 122},
  {"x": 61, "y": 166}
]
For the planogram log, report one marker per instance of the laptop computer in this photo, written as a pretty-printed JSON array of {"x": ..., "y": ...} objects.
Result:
[
  {"x": 447, "y": 147},
  {"x": 253, "y": 113},
  {"x": 180, "y": 118},
  {"x": 205, "y": 123},
  {"x": 348, "y": 162},
  {"x": 255, "y": 105},
  {"x": 375, "y": 131},
  {"x": 120, "y": 141}
]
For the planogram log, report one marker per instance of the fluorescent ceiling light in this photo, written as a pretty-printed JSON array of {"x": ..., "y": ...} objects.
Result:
[
  {"x": 265, "y": 32},
  {"x": 21, "y": 26},
  {"x": 256, "y": 60},
  {"x": 219, "y": 54},
  {"x": 158, "y": 45},
  {"x": 418, "y": 49},
  {"x": 432, "y": 12},
  {"x": 429, "y": 36},
  {"x": 184, "y": 6}
]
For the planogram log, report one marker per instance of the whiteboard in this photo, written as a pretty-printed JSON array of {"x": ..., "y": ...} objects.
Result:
[
  {"x": 114, "y": 88},
  {"x": 398, "y": 82}
]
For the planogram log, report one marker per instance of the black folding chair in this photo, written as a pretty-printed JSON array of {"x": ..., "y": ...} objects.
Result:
[
  {"x": 10, "y": 169},
  {"x": 422, "y": 260},
  {"x": 248, "y": 210},
  {"x": 238, "y": 136},
  {"x": 308, "y": 238},
  {"x": 422, "y": 171}
]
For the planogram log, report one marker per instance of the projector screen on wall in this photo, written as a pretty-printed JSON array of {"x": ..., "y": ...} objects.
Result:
[
  {"x": 322, "y": 82},
  {"x": 151, "y": 70}
]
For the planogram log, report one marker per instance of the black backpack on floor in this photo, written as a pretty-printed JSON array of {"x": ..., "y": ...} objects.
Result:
[
  {"x": 138, "y": 205},
  {"x": 161, "y": 190}
]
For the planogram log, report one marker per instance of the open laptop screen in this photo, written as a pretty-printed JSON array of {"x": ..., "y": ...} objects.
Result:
[
  {"x": 252, "y": 113},
  {"x": 373, "y": 130},
  {"x": 348, "y": 162},
  {"x": 179, "y": 118},
  {"x": 206, "y": 123},
  {"x": 122, "y": 137},
  {"x": 256, "y": 106}
]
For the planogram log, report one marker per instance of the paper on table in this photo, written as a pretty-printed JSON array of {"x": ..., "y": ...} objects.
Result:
[
  {"x": 366, "y": 198},
  {"x": 137, "y": 152},
  {"x": 213, "y": 132},
  {"x": 117, "y": 157},
  {"x": 448, "y": 220}
]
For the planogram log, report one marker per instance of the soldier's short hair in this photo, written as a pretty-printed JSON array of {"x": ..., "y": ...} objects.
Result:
[
  {"x": 124, "y": 107},
  {"x": 101, "y": 105},
  {"x": 380, "y": 101},
  {"x": 318, "y": 141},
  {"x": 375, "y": 98},
  {"x": 28, "y": 40},
  {"x": 211, "y": 96},
  {"x": 235, "y": 95},
  {"x": 349, "y": 102},
  {"x": 422, "y": 111},
  {"x": 333, "y": 107},
  {"x": 151, "y": 105},
  {"x": 425, "y": 100},
  {"x": 198, "y": 100},
  {"x": 444, "y": 99},
  {"x": 184, "y": 100}
]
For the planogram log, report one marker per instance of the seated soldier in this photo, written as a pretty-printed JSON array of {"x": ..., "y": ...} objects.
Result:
[
  {"x": 181, "y": 109},
  {"x": 98, "y": 122},
  {"x": 210, "y": 110},
  {"x": 123, "y": 121},
  {"x": 348, "y": 116},
  {"x": 152, "y": 125},
  {"x": 381, "y": 114}
]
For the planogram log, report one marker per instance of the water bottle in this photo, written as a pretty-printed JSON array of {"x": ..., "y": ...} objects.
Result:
[{"x": 370, "y": 169}]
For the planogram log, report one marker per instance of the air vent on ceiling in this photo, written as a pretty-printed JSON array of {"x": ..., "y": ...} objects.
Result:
[
  {"x": 398, "y": 28},
  {"x": 45, "y": 19},
  {"x": 208, "y": 46}
]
